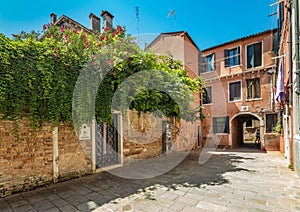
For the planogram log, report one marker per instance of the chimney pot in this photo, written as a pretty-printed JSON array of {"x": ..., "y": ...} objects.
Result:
[
  {"x": 53, "y": 18},
  {"x": 107, "y": 19},
  {"x": 94, "y": 22}
]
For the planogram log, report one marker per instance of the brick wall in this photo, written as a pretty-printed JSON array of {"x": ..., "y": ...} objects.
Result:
[
  {"x": 74, "y": 155},
  {"x": 142, "y": 136},
  {"x": 27, "y": 162}
]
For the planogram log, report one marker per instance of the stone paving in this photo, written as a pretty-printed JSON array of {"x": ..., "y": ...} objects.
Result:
[{"x": 241, "y": 180}]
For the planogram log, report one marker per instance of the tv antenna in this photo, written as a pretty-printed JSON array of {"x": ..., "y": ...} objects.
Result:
[
  {"x": 172, "y": 13},
  {"x": 137, "y": 15}
]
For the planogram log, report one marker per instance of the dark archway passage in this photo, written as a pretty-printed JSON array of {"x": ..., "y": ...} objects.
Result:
[{"x": 243, "y": 128}]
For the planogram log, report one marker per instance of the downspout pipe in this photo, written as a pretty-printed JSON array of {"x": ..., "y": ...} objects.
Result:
[
  {"x": 290, "y": 82},
  {"x": 296, "y": 9}
]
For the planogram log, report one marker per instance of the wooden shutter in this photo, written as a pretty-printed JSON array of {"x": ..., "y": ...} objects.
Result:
[
  {"x": 226, "y": 57},
  {"x": 258, "y": 54},
  {"x": 226, "y": 130},
  {"x": 239, "y": 55},
  {"x": 215, "y": 125}
]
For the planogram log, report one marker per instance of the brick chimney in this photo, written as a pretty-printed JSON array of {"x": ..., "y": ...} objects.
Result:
[
  {"x": 107, "y": 19},
  {"x": 94, "y": 22},
  {"x": 53, "y": 18}
]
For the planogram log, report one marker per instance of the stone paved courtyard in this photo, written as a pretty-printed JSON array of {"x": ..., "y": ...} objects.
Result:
[{"x": 241, "y": 180}]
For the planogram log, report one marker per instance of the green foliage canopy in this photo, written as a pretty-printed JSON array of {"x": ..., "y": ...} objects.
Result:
[{"x": 38, "y": 76}]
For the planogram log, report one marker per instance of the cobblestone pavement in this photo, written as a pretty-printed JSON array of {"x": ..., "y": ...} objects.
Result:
[{"x": 241, "y": 180}]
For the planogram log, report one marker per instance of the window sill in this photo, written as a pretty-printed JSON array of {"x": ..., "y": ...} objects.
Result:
[
  {"x": 207, "y": 72},
  {"x": 254, "y": 99},
  {"x": 235, "y": 101},
  {"x": 254, "y": 68},
  {"x": 221, "y": 133},
  {"x": 234, "y": 66}
]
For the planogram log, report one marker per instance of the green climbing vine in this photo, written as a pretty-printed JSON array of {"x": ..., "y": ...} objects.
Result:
[{"x": 39, "y": 72}]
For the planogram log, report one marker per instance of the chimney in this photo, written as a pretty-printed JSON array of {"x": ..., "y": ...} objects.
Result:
[
  {"x": 94, "y": 22},
  {"x": 53, "y": 18},
  {"x": 107, "y": 19}
]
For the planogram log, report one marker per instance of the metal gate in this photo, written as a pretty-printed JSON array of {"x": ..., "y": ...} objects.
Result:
[
  {"x": 166, "y": 136},
  {"x": 107, "y": 143}
]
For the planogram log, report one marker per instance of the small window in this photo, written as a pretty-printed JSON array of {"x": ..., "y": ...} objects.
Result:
[
  {"x": 271, "y": 121},
  {"x": 210, "y": 62},
  {"x": 254, "y": 55},
  {"x": 221, "y": 124},
  {"x": 207, "y": 95},
  {"x": 235, "y": 91},
  {"x": 253, "y": 88},
  {"x": 232, "y": 57},
  {"x": 249, "y": 123}
]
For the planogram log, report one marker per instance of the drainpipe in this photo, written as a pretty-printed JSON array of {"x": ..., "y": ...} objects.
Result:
[
  {"x": 296, "y": 9},
  {"x": 290, "y": 85}
]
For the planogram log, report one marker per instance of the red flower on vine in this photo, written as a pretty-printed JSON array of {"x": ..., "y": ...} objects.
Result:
[
  {"x": 62, "y": 29},
  {"x": 109, "y": 62},
  {"x": 119, "y": 28}
]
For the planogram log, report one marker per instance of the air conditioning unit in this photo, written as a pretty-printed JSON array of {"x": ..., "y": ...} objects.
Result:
[{"x": 244, "y": 108}]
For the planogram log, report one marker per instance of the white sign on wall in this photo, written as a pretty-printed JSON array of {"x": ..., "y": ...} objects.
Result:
[{"x": 85, "y": 132}]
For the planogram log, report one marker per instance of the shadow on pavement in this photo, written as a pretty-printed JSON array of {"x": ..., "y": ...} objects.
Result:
[{"x": 103, "y": 187}]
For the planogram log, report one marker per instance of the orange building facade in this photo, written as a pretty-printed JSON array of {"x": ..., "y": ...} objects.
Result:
[{"x": 239, "y": 81}]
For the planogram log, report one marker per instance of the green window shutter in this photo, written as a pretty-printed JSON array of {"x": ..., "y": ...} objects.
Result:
[
  {"x": 258, "y": 54},
  {"x": 239, "y": 55},
  {"x": 226, "y": 56},
  {"x": 215, "y": 125},
  {"x": 249, "y": 89},
  {"x": 226, "y": 130},
  {"x": 257, "y": 88}
]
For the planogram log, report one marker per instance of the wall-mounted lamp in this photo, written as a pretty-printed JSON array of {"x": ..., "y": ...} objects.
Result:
[{"x": 271, "y": 71}]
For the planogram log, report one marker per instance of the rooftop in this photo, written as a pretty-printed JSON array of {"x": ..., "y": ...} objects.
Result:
[{"x": 242, "y": 38}]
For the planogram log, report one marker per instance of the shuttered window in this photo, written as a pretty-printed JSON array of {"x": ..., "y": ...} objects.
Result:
[
  {"x": 254, "y": 55},
  {"x": 253, "y": 88},
  {"x": 232, "y": 56},
  {"x": 207, "y": 95},
  {"x": 221, "y": 124},
  {"x": 271, "y": 121},
  {"x": 210, "y": 60},
  {"x": 235, "y": 91}
]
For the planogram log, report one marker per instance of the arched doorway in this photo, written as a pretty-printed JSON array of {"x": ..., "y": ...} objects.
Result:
[{"x": 243, "y": 127}]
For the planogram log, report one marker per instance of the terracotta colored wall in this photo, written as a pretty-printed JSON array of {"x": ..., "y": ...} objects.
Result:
[
  {"x": 170, "y": 44},
  {"x": 221, "y": 77},
  {"x": 191, "y": 58},
  {"x": 267, "y": 40}
]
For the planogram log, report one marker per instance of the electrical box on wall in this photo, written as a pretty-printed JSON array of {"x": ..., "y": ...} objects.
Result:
[
  {"x": 244, "y": 108},
  {"x": 85, "y": 132}
]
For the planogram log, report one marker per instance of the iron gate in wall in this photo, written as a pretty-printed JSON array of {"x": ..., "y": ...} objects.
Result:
[
  {"x": 166, "y": 136},
  {"x": 107, "y": 143}
]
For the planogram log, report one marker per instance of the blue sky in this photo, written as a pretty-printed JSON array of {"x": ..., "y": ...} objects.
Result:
[{"x": 208, "y": 22}]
